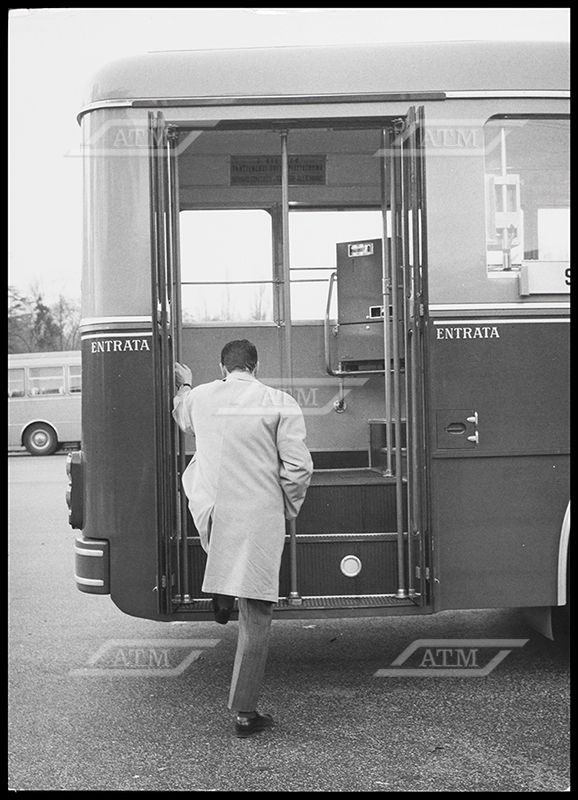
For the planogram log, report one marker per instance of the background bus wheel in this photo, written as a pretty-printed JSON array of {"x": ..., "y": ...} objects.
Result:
[{"x": 40, "y": 440}]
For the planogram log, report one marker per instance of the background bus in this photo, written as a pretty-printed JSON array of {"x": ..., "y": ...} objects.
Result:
[
  {"x": 44, "y": 401},
  {"x": 389, "y": 225}
]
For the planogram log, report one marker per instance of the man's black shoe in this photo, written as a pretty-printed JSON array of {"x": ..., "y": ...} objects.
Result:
[
  {"x": 246, "y": 726},
  {"x": 222, "y": 606}
]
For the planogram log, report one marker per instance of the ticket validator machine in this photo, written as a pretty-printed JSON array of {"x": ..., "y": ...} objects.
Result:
[
  {"x": 356, "y": 345},
  {"x": 359, "y": 339}
]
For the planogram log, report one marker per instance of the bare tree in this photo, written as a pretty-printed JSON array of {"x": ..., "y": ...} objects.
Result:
[
  {"x": 34, "y": 326},
  {"x": 20, "y": 315},
  {"x": 66, "y": 313}
]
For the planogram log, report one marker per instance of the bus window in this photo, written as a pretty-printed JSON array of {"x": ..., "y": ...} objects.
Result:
[
  {"x": 15, "y": 383},
  {"x": 74, "y": 378},
  {"x": 313, "y": 236},
  {"x": 45, "y": 380},
  {"x": 226, "y": 265},
  {"x": 527, "y": 190}
]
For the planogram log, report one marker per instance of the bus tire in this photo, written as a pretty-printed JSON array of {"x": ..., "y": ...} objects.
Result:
[{"x": 40, "y": 439}]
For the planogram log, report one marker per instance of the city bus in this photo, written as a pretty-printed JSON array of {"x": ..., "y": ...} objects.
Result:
[
  {"x": 44, "y": 404},
  {"x": 389, "y": 225}
]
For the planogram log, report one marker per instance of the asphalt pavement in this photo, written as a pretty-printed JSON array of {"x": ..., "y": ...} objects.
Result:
[{"x": 102, "y": 701}]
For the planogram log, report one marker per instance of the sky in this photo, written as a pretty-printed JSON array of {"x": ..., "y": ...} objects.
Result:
[{"x": 53, "y": 52}]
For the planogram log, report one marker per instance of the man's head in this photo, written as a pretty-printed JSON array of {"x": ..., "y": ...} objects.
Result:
[{"x": 239, "y": 354}]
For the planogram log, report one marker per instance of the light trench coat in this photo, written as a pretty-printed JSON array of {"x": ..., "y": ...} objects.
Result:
[{"x": 250, "y": 472}]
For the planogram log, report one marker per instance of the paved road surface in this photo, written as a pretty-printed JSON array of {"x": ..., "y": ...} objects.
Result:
[{"x": 102, "y": 701}]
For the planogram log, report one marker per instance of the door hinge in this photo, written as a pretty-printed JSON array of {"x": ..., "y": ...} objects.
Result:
[
  {"x": 164, "y": 581},
  {"x": 426, "y": 573}
]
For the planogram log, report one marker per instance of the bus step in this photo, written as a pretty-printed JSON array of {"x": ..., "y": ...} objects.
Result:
[
  {"x": 324, "y": 602},
  {"x": 347, "y": 601},
  {"x": 362, "y": 500},
  {"x": 364, "y": 476}
]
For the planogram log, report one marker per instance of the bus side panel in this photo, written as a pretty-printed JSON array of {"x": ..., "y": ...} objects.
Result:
[
  {"x": 61, "y": 412},
  {"x": 497, "y": 523},
  {"x": 119, "y": 457},
  {"x": 497, "y": 504}
]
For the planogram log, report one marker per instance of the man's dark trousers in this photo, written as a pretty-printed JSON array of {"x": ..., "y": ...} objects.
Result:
[{"x": 252, "y": 649}]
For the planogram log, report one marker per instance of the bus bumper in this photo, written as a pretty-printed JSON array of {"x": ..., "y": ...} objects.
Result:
[{"x": 92, "y": 571}]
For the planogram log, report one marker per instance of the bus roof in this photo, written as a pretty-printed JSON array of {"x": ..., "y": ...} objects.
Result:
[{"x": 333, "y": 70}]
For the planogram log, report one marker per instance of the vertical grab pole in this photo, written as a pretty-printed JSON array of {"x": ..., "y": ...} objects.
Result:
[
  {"x": 419, "y": 231},
  {"x": 159, "y": 352},
  {"x": 386, "y": 295},
  {"x": 408, "y": 173},
  {"x": 286, "y": 263},
  {"x": 506, "y": 249},
  {"x": 170, "y": 244},
  {"x": 183, "y": 571},
  {"x": 294, "y": 597},
  {"x": 165, "y": 376},
  {"x": 153, "y": 191},
  {"x": 414, "y": 482},
  {"x": 395, "y": 230}
]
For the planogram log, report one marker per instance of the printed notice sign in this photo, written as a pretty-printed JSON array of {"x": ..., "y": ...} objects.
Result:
[{"x": 266, "y": 170}]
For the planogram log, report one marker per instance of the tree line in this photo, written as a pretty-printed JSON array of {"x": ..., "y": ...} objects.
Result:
[{"x": 36, "y": 326}]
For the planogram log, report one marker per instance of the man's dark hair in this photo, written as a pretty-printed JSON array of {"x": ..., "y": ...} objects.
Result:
[{"x": 239, "y": 354}]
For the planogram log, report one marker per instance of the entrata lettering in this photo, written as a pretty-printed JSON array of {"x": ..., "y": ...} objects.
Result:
[
  {"x": 457, "y": 332},
  {"x": 118, "y": 345}
]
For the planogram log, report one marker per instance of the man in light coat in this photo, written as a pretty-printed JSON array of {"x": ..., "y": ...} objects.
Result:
[{"x": 250, "y": 472}]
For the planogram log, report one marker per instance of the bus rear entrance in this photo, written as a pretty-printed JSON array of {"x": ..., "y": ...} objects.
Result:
[
  {"x": 278, "y": 236},
  {"x": 427, "y": 347}
]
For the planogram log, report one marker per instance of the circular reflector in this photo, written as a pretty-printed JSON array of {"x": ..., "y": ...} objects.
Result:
[{"x": 350, "y": 566}]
